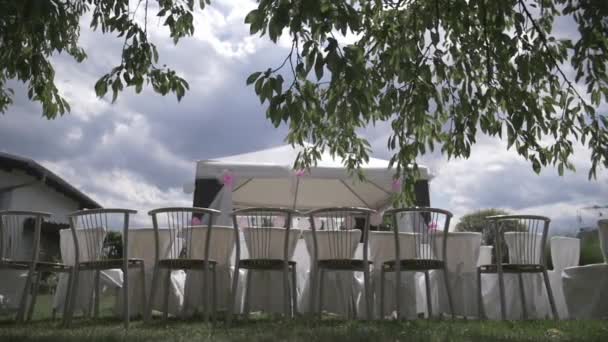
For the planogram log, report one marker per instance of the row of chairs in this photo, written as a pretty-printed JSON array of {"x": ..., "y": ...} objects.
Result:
[{"x": 421, "y": 242}]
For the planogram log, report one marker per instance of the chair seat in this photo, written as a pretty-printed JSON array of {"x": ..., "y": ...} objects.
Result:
[
  {"x": 108, "y": 264},
  {"x": 52, "y": 266},
  {"x": 15, "y": 264},
  {"x": 512, "y": 268},
  {"x": 264, "y": 264},
  {"x": 186, "y": 264},
  {"x": 343, "y": 264},
  {"x": 413, "y": 265}
]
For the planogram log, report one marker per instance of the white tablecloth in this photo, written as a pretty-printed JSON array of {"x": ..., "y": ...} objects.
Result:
[
  {"x": 342, "y": 290},
  {"x": 463, "y": 249},
  {"x": 86, "y": 279},
  {"x": 141, "y": 246},
  {"x": 221, "y": 250}
]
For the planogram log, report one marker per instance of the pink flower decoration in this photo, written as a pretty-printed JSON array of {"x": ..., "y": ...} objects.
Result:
[
  {"x": 228, "y": 179},
  {"x": 396, "y": 185},
  {"x": 195, "y": 221},
  {"x": 433, "y": 225},
  {"x": 300, "y": 173}
]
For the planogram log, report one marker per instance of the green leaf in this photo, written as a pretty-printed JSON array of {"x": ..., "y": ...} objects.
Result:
[{"x": 253, "y": 77}]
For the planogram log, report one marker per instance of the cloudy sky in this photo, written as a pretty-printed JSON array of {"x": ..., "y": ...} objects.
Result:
[{"x": 139, "y": 151}]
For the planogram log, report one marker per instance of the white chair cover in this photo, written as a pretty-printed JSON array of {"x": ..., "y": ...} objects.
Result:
[
  {"x": 463, "y": 251},
  {"x": 222, "y": 247},
  {"x": 382, "y": 249},
  {"x": 586, "y": 291},
  {"x": 267, "y": 286},
  {"x": 565, "y": 252},
  {"x": 341, "y": 289},
  {"x": 141, "y": 246}
]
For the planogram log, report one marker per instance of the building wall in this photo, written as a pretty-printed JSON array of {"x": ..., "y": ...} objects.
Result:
[{"x": 38, "y": 197}]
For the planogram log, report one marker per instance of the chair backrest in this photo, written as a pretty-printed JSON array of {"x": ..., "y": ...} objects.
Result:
[
  {"x": 180, "y": 223},
  {"x": 336, "y": 232},
  {"x": 267, "y": 232},
  {"x": 20, "y": 234},
  {"x": 426, "y": 224},
  {"x": 524, "y": 237},
  {"x": 90, "y": 227}
]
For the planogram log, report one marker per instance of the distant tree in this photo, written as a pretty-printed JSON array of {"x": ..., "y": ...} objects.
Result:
[{"x": 476, "y": 222}]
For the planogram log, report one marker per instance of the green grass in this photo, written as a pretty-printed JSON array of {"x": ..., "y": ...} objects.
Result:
[{"x": 267, "y": 329}]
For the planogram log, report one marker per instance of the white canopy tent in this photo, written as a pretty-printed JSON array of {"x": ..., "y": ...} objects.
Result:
[{"x": 266, "y": 178}]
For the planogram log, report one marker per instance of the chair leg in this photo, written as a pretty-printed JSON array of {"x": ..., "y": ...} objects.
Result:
[
  {"x": 153, "y": 290},
  {"x": 24, "y": 296},
  {"x": 286, "y": 292},
  {"x": 143, "y": 304},
  {"x": 312, "y": 288},
  {"x": 166, "y": 294},
  {"x": 427, "y": 286},
  {"x": 550, "y": 295},
  {"x": 368, "y": 295},
  {"x": 522, "y": 296},
  {"x": 448, "y": 291},
  {"x": 205, "y": 289},
  {"x": 501, "y": 287},
  {"x": 294, "y": 292},
  {"x": 480, "y": 308},
  {"x": 30, "y": 311},
  {"x": 321, "y": 282},
  {"x": 382, "y": 280},
  {"x": 247, "y": 293},
  {"x": 232, "y": 300},
  {"x": 125, "y": 302},
  {"x": 97, "y": 292},
  {"x": 68, "y": 312},
  {"x": 213, "y": 293}
]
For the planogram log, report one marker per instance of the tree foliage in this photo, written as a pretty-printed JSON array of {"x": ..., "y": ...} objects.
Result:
[
  {"x": 33, "y": 31},
  {"x": 439, "y": 72}
]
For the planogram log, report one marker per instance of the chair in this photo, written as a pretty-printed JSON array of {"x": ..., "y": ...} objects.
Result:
[
  {"x": 89, "y": 229},
  {"x": 334, "y": 244},
  {"x": 184, "y": 253},
  {"x": 525, "y": 238},
  {"x": 270, "y": 244},
  {"x": 416, "y": 234},
  {"x": 14, "y": 251}
]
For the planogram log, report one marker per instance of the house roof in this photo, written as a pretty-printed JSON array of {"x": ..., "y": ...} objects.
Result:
[{"x": 11, "y": 162}]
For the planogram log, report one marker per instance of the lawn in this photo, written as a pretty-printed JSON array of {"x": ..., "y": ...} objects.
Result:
[{"x": 266, "y": 329}]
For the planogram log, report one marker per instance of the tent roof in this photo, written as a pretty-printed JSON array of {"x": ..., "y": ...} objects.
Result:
[{"x": 277, "y": 162}]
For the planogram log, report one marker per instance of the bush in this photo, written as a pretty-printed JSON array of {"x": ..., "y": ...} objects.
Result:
[
  {"x": 476, "y": 222},
  {"x": 591, "y": 252}
]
